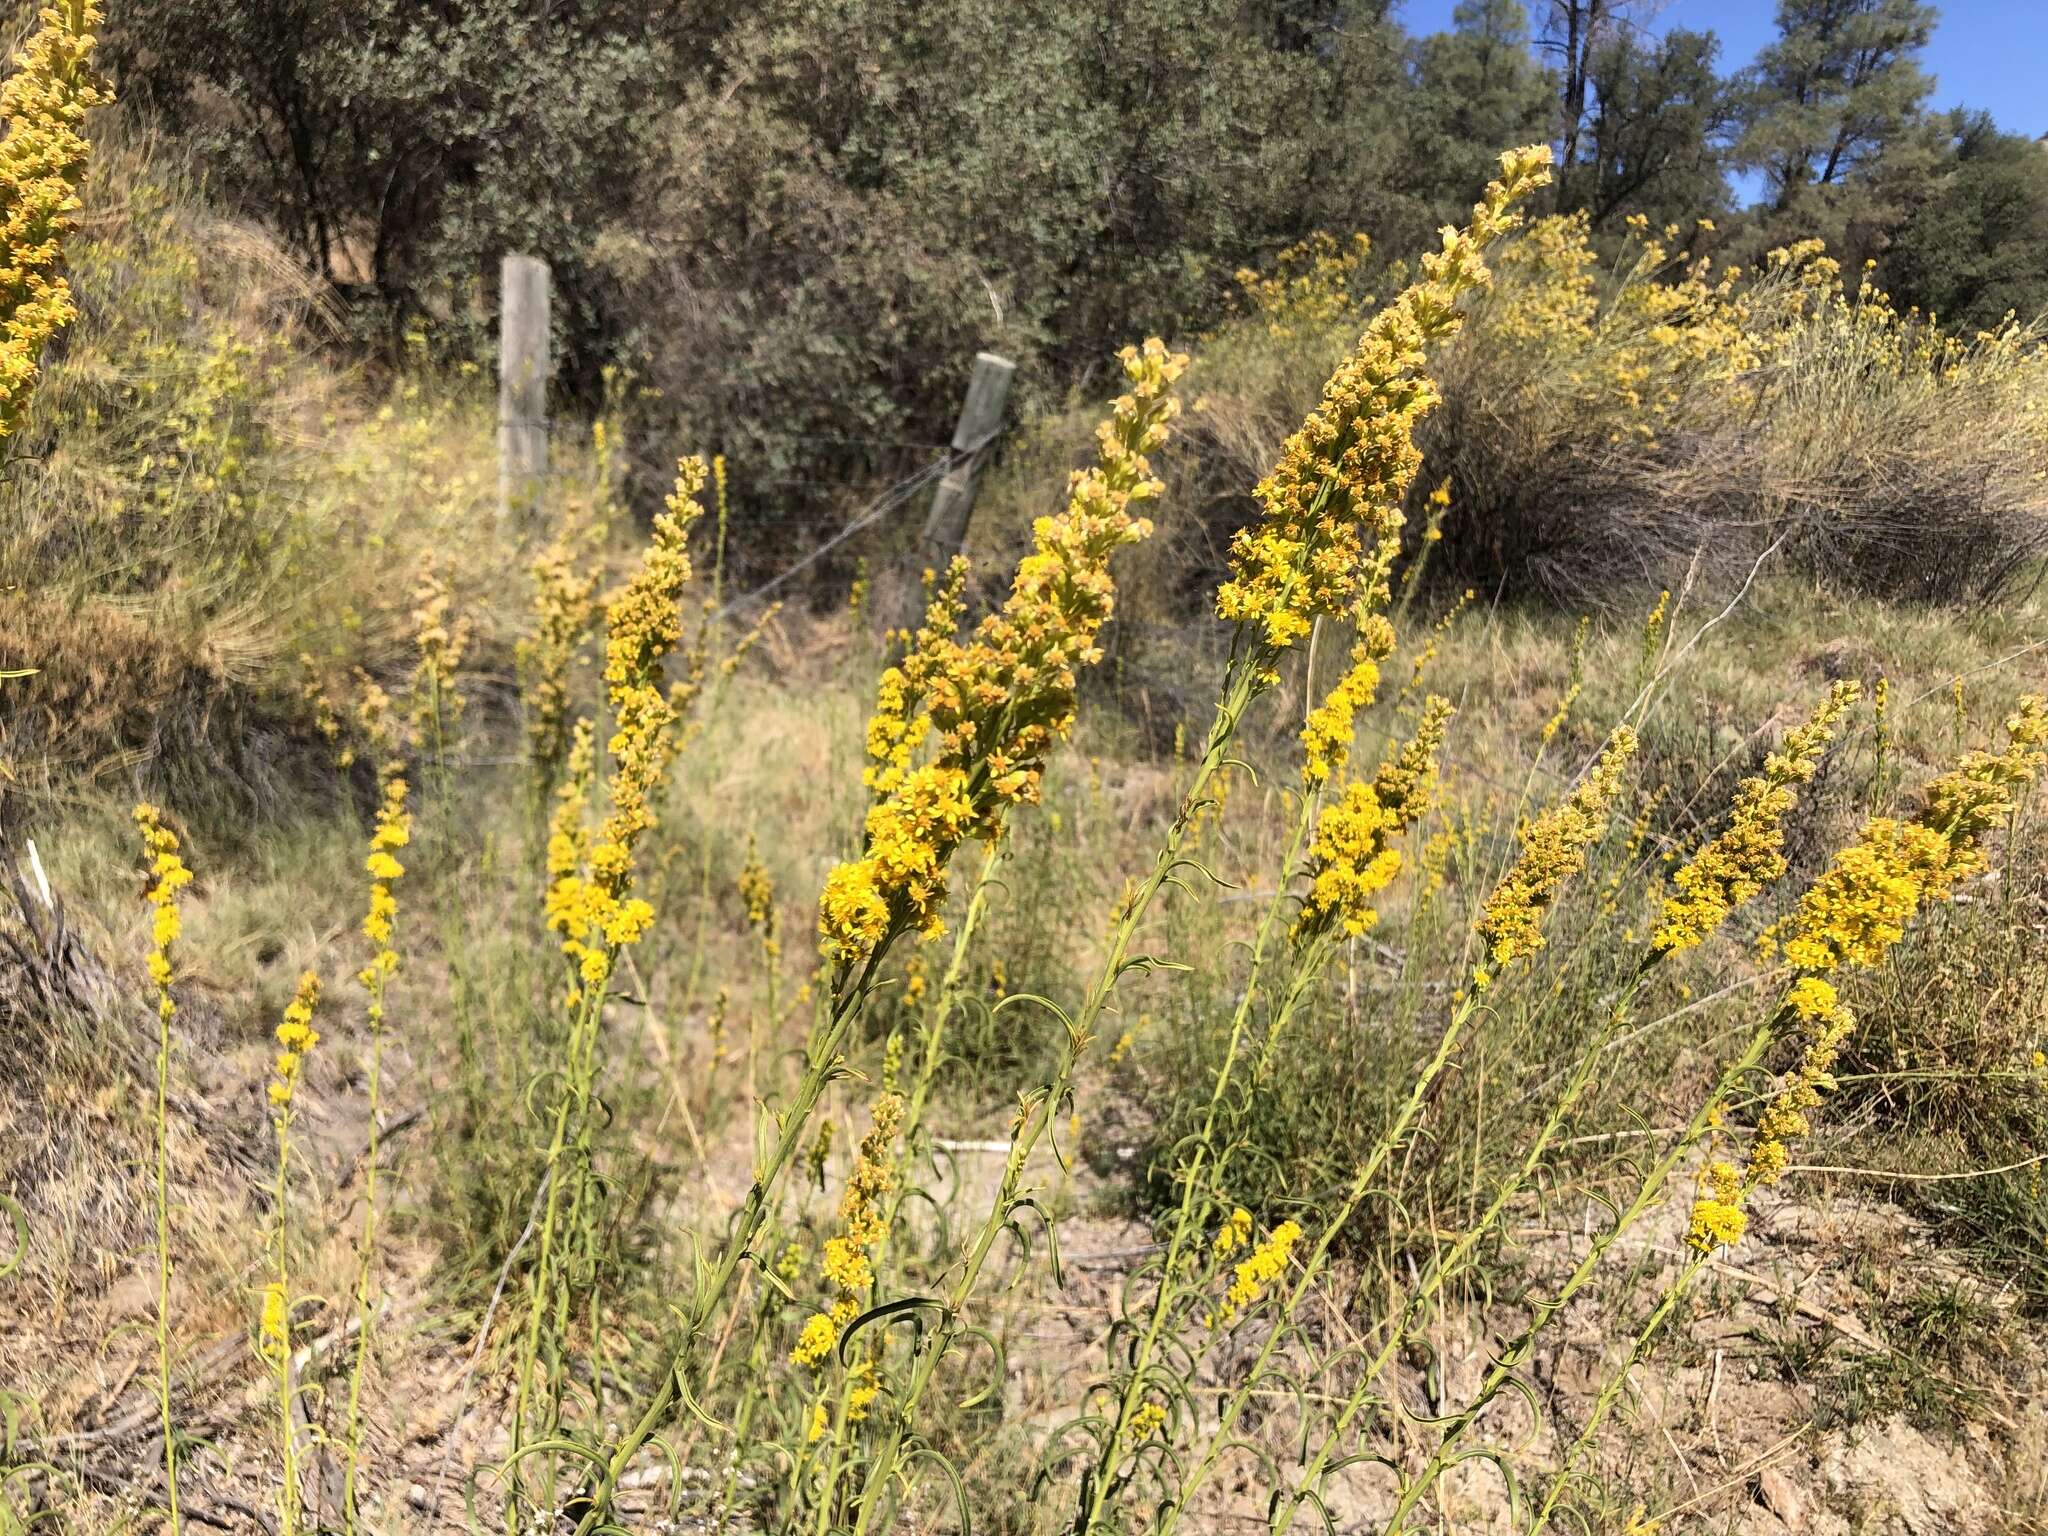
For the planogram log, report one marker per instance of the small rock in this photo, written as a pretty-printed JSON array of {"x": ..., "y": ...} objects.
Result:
[
  {"x": 416, "y": 1495},
  {"x": 1781, "y": 1497}
]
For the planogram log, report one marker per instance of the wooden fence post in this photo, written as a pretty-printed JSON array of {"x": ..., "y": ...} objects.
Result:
[
  {"x": 981, "y": 414},
  {"x": 523, "y": 369}
]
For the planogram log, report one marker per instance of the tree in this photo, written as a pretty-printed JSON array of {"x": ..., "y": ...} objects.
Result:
[
  {"x": 400, "y": 145},
  {"x": 1479, "y": 90},
  {"x": 1651, "y": 143},
  {"x": 1842, "y": 83},
  {"x": 1977, "y": 247}
]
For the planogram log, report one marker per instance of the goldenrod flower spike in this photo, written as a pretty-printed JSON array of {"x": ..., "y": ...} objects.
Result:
[
  {"x": 1332, "y": 505},
  {"x": 1553, "y": 850},
  {"x": 1860, "y": 907},
  {"x": 1849, "y": 917},
  {"x": 1351, "y": 857},
  {"x": 1326, "y": 736},
  {"x": 296, "y": 1038},
  {"x": 42, "y": 164},
  {"x": 168, "y": 875},
  {"x": 862, "y": 1226},
  {"x": 590, "y": 901},
  {"x": 990, "y": 708},
  {"x": 565, "y": 610},
  {"x": 1267, "y": 1263},
  {"x": 441, "y": 644},
  {"x": 1749, "y": 854}
]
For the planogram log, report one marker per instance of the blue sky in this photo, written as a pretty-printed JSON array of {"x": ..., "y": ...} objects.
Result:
[{"x": 1987, "y": 54}]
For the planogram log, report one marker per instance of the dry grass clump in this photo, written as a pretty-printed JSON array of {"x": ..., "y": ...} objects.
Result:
[
  {"x": 210, "y": 539},
  {"x": 1610, "y": 424},
  {"x": 1613, "y": 421}
]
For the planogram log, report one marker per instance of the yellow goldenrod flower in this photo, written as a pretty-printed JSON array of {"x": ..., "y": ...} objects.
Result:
[
  {"x": 1553, "y": 850},
  {"x": 1717, "y": 1214},
  {"x": 863, "y": 1223},
  {"x": 393, "y": 831},
  {"x": 1850, "y": 916},
  {"x": 1653, "y": 631},
  {"x": 815, "y": 1421},
  {"x": 1406, "y": 782},
  {"x": 1234, "y": 1233},
  {"x": 1145, "y": 1423},
  {"x": 565, "y": 610},
  {"x": 441, "y": 646},
  {"x": 1326, "y": 736},
  {"x": 274, "y": 1333},
  {"x": 1860, "y": 906},
  {"x": 1268, "y": 1262},
  {"x": 815, "y": 1342},
  {"x": 167, "y": 876},
  {"x": 991, "y": 707},
  {"x": 863, "y": 1387},
  {"x": 1351, "y": 858},
  {"x": 296, "y": 1037},
  {"x": 42, "y": 163},
  {"x": 1749, "y": 854},
  {"x": 590, "y": 902},
  {"x": 1331, "y": 507},
  {"x": 757, "y": 892},
  {"x": 1819, "y": 1019}
]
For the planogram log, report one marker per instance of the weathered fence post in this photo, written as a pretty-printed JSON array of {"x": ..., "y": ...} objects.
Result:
[
  {"x": 523, "y": 369},
  {"x": 981, "y": 413}
]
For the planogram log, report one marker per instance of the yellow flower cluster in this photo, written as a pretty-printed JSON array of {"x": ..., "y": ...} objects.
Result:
[
  {"x": 42, "y": 163},
  {"x": 757, "y": 891},
  {"x": 1234, "y": 1233},
  {"x": 1553, "y": 850},
  {"x": 991, "y": 707},
  {"x": 1146, "y": 1422},
  {"x": 1860, "y": 906},
  {"x": 1749, "y": 853},
  {"x": 1309, "y": 288},
  {"x": 167, "y": 876},
  {"x": 1326, "y": 735},
  {"x": 1332, "y": 504},
  {"x": 590, "y": 901},
  {"x": 1267, "y": 1263},
  {"x": 295, "y": 1037},
  {"x": 1406, "y": 783},
  {"x": 1434, "y": 644},
  {"x": 393, "y": 831},
  {"x": 565, "y": 611},
  {"x": 1719, "y": 1216},
  {"x": 1351, "y": 857},
  {"x": 861, "y": 1228},
  {"x": 1850, "y": 916},
  {"x": 274, "y": 1332},
  {"x": 441, "y": 644},
  {"x": 1575, "y": 682}
]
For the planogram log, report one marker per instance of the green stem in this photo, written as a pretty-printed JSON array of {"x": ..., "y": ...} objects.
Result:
[
  {"x": 1446, "y": 1265},
  {"x": 352, "y": 1443},
  {"x": 821, "y": 1061},
  {"x": 288, "y": 1490},
  {"x": 1648, "y": 1193},
  {"x": 1244, "y": 683},
  {"x": 1612, "y": 1388},
  {"x": 1186, "y": 1222},
  {"x": 1368, "y": 1171},
  {"x": 163, "y": 1257}
]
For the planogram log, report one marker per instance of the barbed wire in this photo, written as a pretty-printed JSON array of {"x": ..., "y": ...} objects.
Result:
[{"x": 888, "y": 501}]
